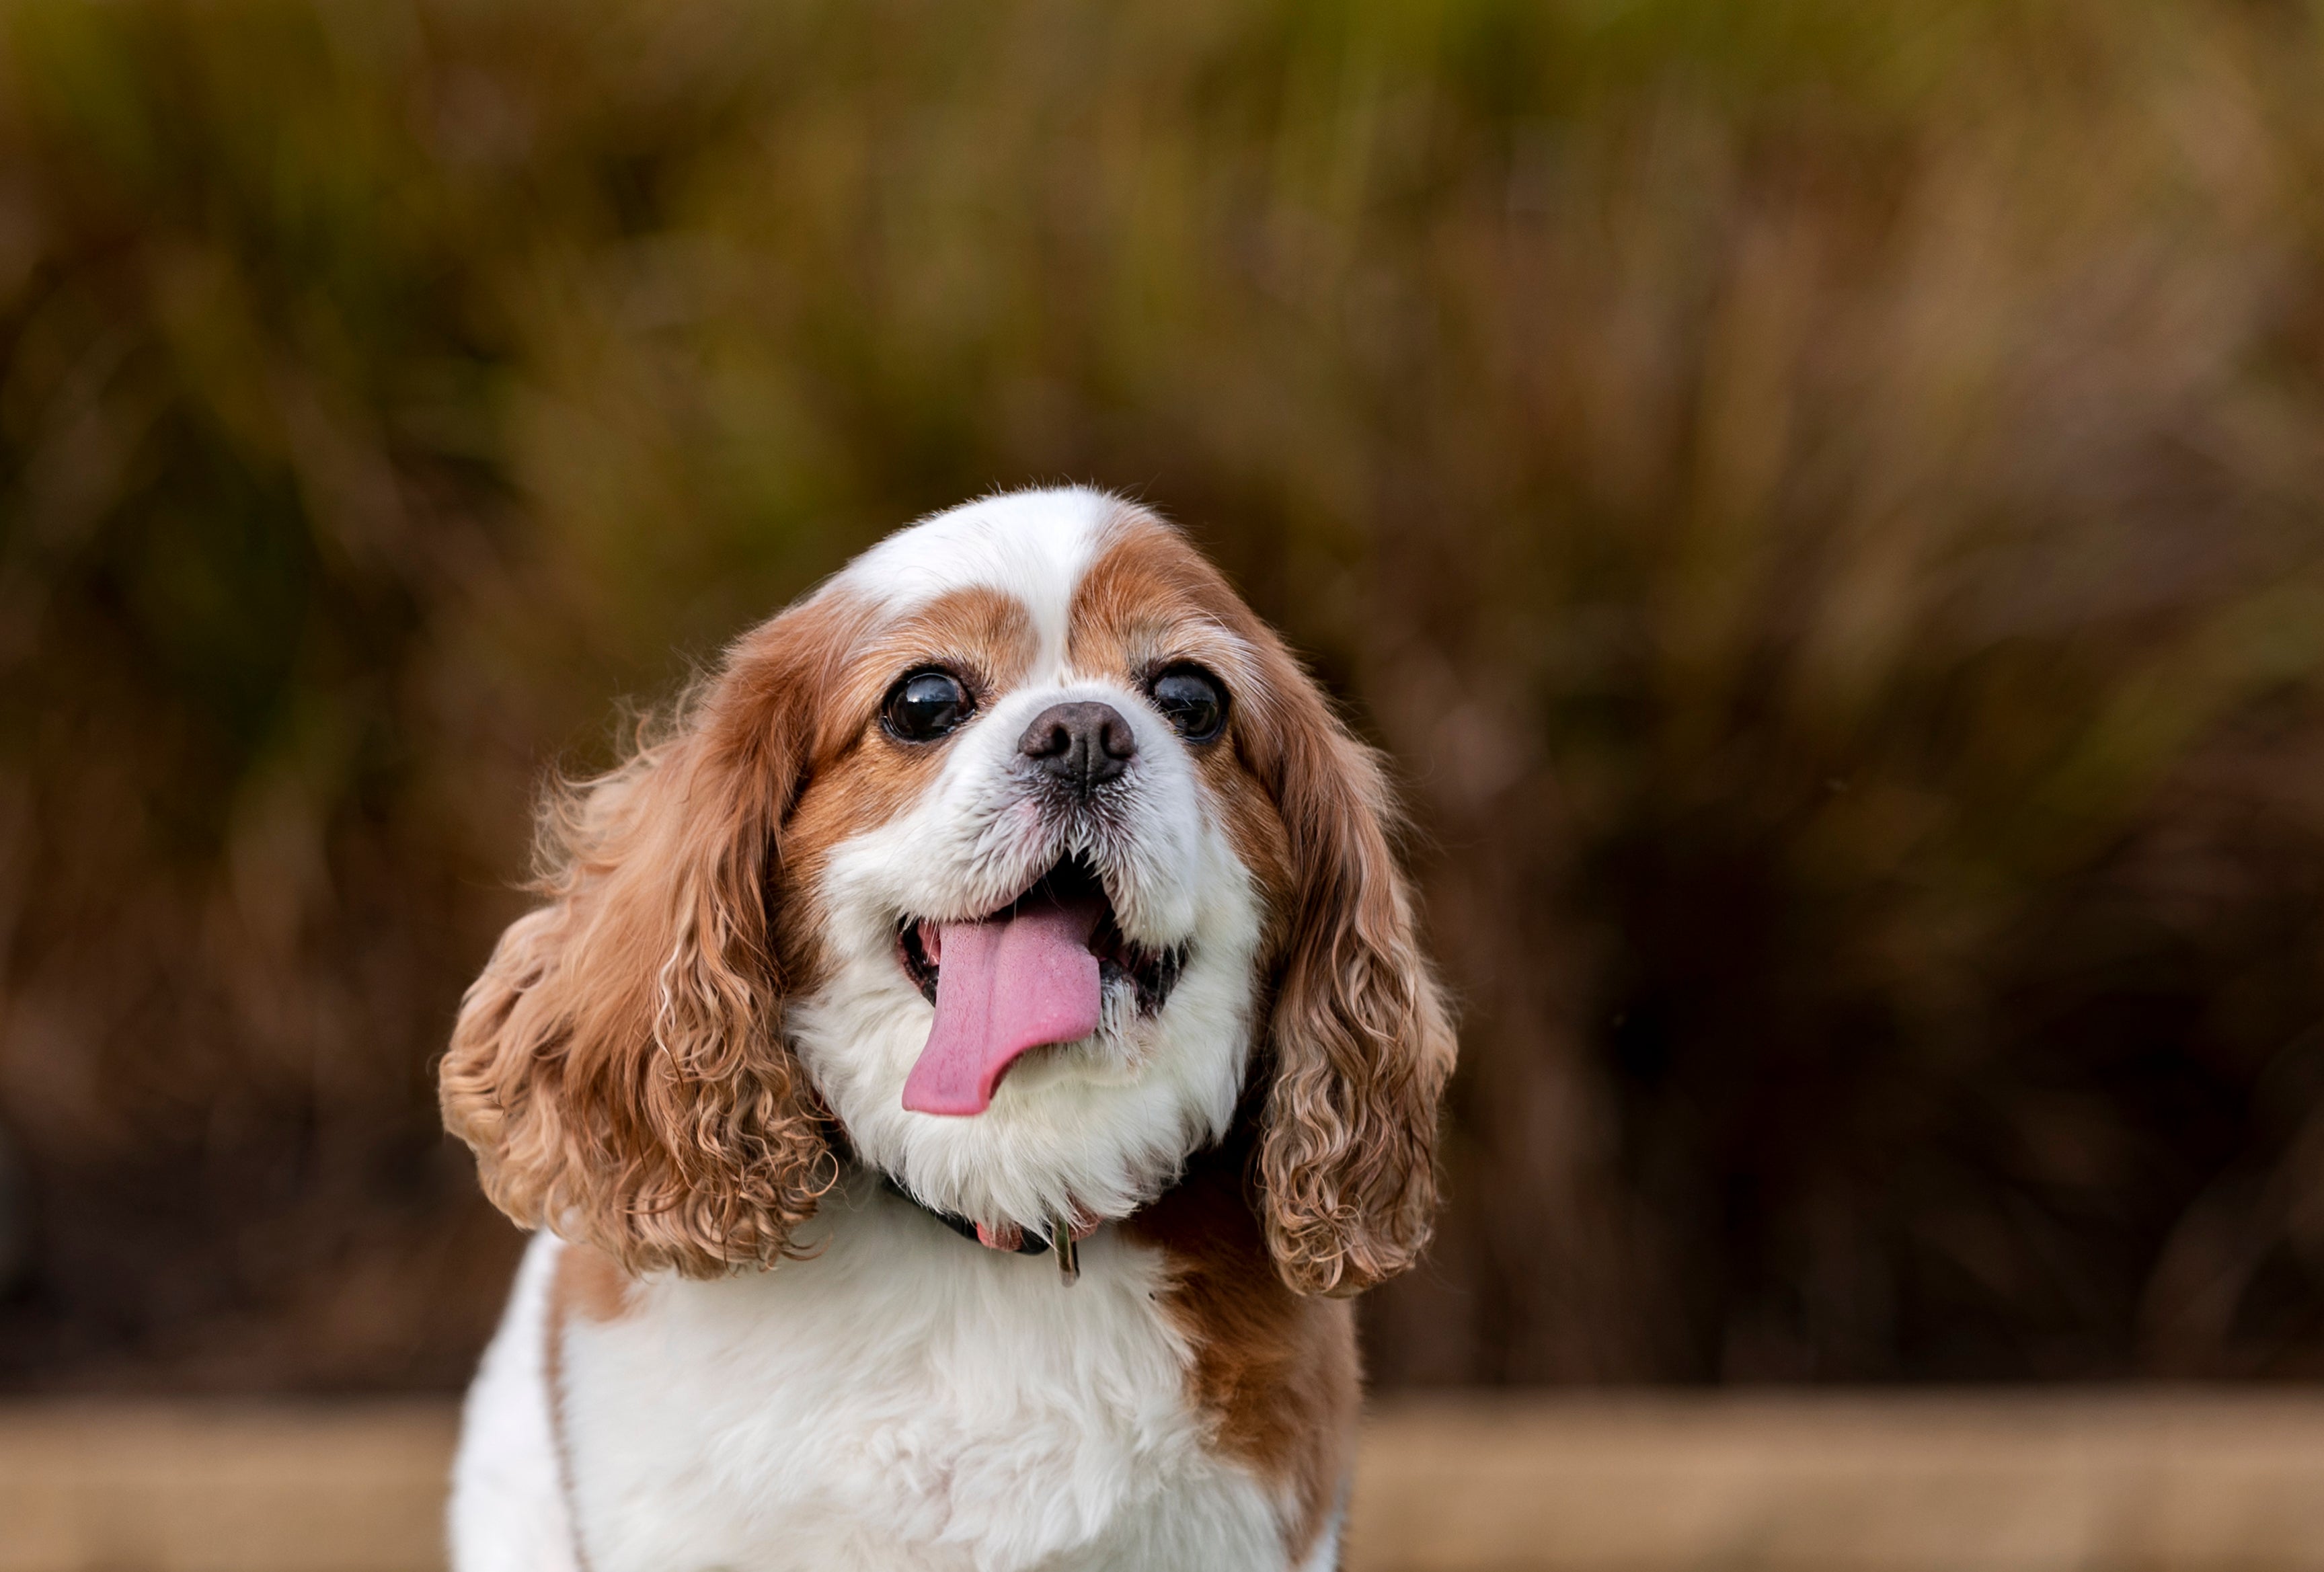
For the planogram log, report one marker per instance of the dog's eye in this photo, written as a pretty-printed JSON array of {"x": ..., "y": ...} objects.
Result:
[
  {"x": 1191, "y": 700},
  {"x": 926, "y": 705}
]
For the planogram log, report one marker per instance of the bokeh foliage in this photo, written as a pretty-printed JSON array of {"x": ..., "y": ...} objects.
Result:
[{"x": 1824, "y": 499}]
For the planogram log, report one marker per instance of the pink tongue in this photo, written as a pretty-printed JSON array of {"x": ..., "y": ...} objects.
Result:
[{"x": 1002, "y": 986}]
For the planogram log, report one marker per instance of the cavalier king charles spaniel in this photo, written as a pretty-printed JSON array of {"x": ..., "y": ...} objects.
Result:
[{"x": 959, "y": 1075}]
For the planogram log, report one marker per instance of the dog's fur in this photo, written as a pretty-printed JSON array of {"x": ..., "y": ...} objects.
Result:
[{"x": 735, "y": 1345}]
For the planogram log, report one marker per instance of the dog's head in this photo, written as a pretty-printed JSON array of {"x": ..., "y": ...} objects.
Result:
[{"x": 1013, "y": 857}]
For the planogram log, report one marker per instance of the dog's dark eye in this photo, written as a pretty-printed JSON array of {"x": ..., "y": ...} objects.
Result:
[
  {"x": 1191, "y": 700},
  {"x": 925, "y": 706}
]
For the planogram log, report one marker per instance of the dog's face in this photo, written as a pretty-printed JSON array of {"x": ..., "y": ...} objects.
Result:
[
  {"x": 1032, "y": 878},
  {"x": 1018, "y": 861}
]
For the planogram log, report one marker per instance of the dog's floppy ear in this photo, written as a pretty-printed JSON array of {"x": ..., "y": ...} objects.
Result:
[
  {"x": 1358, "y": 1037},
  {"x": 619, "y": 1068}
]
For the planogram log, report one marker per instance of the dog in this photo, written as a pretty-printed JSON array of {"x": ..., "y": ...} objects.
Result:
[{"x": 959, "y": 1074}]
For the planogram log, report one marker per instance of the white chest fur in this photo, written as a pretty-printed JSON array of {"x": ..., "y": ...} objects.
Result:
[{"x": 903, "y": 1398}]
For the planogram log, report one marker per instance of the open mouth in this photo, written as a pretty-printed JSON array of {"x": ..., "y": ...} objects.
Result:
[{"x": 1030, "y": 974}]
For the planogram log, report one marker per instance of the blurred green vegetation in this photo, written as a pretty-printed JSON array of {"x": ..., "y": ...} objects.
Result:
[{"x": 1824, "y": 499}]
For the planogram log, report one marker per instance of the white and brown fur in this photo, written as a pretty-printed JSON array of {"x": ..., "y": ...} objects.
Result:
[{"x": 733, "y": 1346}]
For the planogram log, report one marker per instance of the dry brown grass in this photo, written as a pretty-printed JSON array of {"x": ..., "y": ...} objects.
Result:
[{"x": 1823, "y": 500}]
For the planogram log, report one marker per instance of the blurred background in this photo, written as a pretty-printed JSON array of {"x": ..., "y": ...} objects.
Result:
[{"x": 1822, "y": 500}]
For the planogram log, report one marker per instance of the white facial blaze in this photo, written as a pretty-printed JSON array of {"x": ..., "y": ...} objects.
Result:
[
  {"x": 1032, "y": 546},
  {"x": 1102, "y": 1125}
]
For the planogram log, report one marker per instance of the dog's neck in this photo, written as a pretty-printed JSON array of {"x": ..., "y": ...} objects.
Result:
[{"x": 1064, "y": 1233}]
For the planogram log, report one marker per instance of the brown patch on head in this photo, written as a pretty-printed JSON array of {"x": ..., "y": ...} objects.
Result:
[
  {"x": 1275, "y": 1372},
  {"x": 1357, "y": 1045},
  {"x": 1150, "y": 601},
  {"x": 860, "y": 776}
]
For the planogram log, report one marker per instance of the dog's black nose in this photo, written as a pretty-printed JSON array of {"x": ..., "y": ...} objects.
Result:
[{"x": 1084, "y": 745}]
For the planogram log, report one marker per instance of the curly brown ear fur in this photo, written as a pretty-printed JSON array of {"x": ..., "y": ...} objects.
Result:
[
  {"x": 619, "y": 1069},
  {"x": 1359, "y": 1040}
]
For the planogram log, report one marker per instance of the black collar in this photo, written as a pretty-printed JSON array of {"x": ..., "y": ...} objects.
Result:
[
  {"x": 1033, "y": 1244},
  {"x": 1029, "y": 1244}
]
